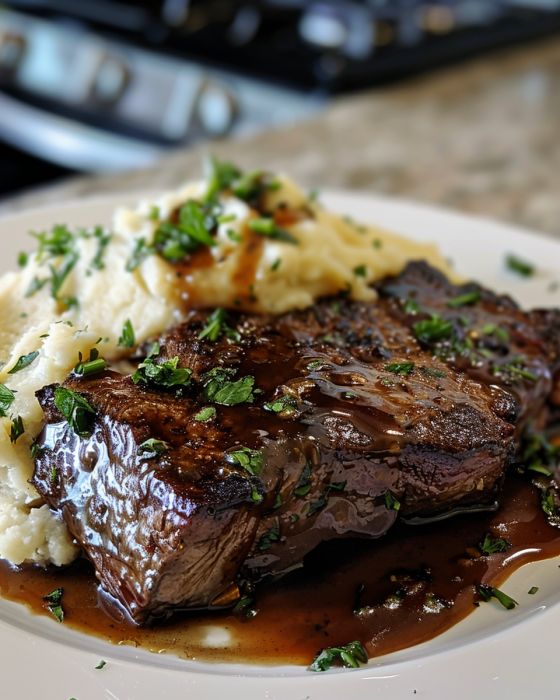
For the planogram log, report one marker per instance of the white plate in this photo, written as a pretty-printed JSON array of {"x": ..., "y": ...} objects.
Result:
[{"x": 493, "y": 653}]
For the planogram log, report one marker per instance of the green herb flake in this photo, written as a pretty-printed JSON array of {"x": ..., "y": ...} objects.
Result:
[
  {"x": 403, "y": 368},
  {"x": 360, "y": 271},
  {"x": 101, "y": 665},
  {"x": 22, "y": 259},
  {"x": 533, "y": 590},
  {"x": 269, "y": 537},
  {"x": 216, "y": 325},
  {"x": 489, "y": 592},
  {"x": 303, "y": 486},
  {"x": 411, "y": 306},
  {"x": 350, "y": 655},
  {"x": 127, "y": 338},
  {"x": 103, "y": 239},
  {"x": 266, "y": 226},
  {"x": 140, "y": 252},
  {"x": 154, "y": 213},
  {"x": 205, "y": 414},
  {"x": 519, "y": 266},
  {"x": 275, "y": 265},
  {"x": 493, "y": 545},
  {"x": 221, "y": 176},
  {"x": 466, "y": 299},
  {"x": 24, "y": 361},
  {"x": 7, "y": 397},
  {"x": 498, "y": 332},
  {"x": 76, "y": 409},
  {"x": 16, "y": 429},
  {"x": 433, "y": 329},
  {"x": 391, "y": 501},
  {"x": 250, "y": 460},
  {"x": 93, "y": 366},
  {"x": 53, "y": 602},
  {"x": 285, "y": 406},
  {"x": 219, "y": 387},
  {"x": 167, "y": 375},
  {"x": 318, "y": 505},
  {"x": 152, "y": 448},
  {"x": 376, "y": 243}
]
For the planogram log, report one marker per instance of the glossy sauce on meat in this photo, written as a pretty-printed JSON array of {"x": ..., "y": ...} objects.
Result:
[{"x": 411, "y": 585}]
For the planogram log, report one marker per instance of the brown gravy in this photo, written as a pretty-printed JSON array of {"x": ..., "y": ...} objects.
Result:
[{"x": 413, "y": 584}]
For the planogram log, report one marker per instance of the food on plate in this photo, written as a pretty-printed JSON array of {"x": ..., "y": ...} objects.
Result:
[
  {"x": 230, "y": 457},
  {"x": 232, "y": 379},
  {"x": 237, "y": 240}
]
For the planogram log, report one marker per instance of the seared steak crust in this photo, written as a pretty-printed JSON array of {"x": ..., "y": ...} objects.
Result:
[{"x": 375, "y": 423}]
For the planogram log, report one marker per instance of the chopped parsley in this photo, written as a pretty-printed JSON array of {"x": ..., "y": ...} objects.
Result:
[
  {"x": 127, "y": 338},
  {"x": 139, "y": 253},
  {"x": 391, "y": 501},
  {"x": 269, "y": 537},
  {"x": 519, "y": 266},
  {"x": 219, "y": 387},
  {"x": 167, "y": 375},
  {"x": 216, "y": 325},
  {"x": 53, "y": 602},
  {"x": 498, "y": 332},
  {"x": 360, "y": 271},
  {"x": 152, "y": 448},
  {"x": 76, "y": 409},
  {"x": 404, "y": 368},
  {"x": 433, "y": 329},
  {"x": 101, "y": 665},
  {"x": 411, "y": 306},
  {"x": 275, "y": 265},
  {"x": 489, "y": 592},
  {"x": 515, "y": 369},
  {"x": 103, "y": 239},
  {"x": 221, "y": 176},
  {"x": 464, "y": 299},
  {"x": 350, "y": 655},
  {"x": 154, "y": 213},
  {"x": 7, "y": 397},
  {"x": 24, "y": 361},
  {"x": 284, "y": 405},
  {"x": 205, "y": 414},
  {"x": 245, "y": 607},
  {"x": 533, "y": 590},
  {"x": 303, "y": 486},
  {"x": 233, "y": 235},
  {"x": 22, "y": 259},
  {"x": 493, "y": 545},
  {"x": 246, "y": 458},
  {"x": 16, "y": 429},
  {"x": 94, "y": 365},
  {"x": 266, "y": 226}
]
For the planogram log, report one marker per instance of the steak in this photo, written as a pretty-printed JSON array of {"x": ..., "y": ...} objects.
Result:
[{"x": 323, "y": 423}]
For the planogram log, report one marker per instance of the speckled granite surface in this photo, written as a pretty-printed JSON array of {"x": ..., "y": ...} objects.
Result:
[{"x": 483, "y": 137}]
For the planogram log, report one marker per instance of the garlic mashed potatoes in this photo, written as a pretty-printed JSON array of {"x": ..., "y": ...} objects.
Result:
[{"x": 234, "y": 240}]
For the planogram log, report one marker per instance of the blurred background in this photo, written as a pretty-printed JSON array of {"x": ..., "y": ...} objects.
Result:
[{"x": 101, "y": 86}]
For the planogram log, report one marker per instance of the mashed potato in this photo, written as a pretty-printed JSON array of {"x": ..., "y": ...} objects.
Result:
[{"x": 50, "y": 314}]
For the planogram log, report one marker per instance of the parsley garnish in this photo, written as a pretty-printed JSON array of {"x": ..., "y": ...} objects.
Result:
[
  {"x": 521, "y": 267},
  {"x": 165, "y": 375},
  {"x": 432, "y": 329},
  {"x": 411, "y": 306},
  {"x": 269, "y": 537},
  {"x": 464, "y": 299},
  {"x": 24, "y": 361},
  {"x": 216, "y": 325},
  {"x": 404, "y": 368},
  {"x": 514, "y": 369},
  {"x": 94, "y": 365},
  {"x": 152, "y": 448},
  {"x": 54, "y": 603},
  {"x": 218, "y": 387},
  {"x": 7, "y": 397},
  {"x": 360, "y": 271},
  {"x": 303, "y": 485},
  {"x": 205, "y": 414},
  {"x": 284, "y": 405},
  {"x": 222, "y": 175},
  {"x": 275, "y": 265},
  {"x": 493, "y": 545},
  {"x": 498, "y": 332},
  {"x": 22, "y": 259},
  {"x": 391, "y": 501},
  {"x": 154, "y": 213},
  {"x": 139, "y": 253},
  {"x": 533, "y": 590},
  {"x": 246, "y": 458},
  {"x": 103, "y": 239},
  {"x": 16, "y": 429},
  {"x": 489, "y": 592},
  {"x": 127, "y": 338},
  {"x": 266, "y": 226},
  {"x": 175, "y": 241},
  {"x": 76, "y": 409},
  {"x": 101, "y": 665},
  {"x": 350, "y": 655}
]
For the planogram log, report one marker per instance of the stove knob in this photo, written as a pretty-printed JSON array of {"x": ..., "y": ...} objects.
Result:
[
  {"x": 12, "y": 50},
  {"x": 110, "y": 80},
  {"x": 216, "y": 109}
]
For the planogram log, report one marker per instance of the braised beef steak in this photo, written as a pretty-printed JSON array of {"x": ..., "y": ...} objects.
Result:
[{"x": 344, "y": 416}]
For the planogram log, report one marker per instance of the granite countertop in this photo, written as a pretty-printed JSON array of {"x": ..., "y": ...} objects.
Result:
[{"x": 482, "y": 137}]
